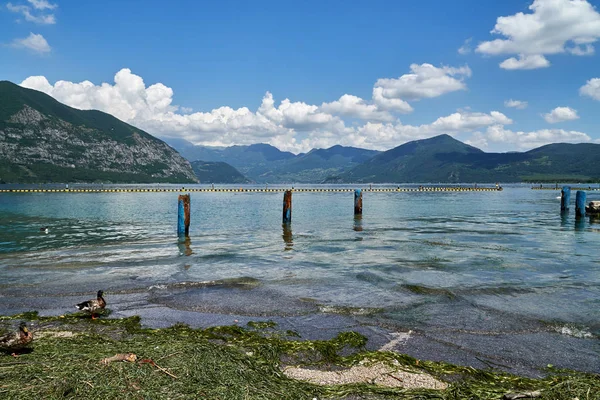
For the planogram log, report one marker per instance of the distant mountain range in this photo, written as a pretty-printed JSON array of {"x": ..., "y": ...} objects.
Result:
[
  {"x": 437, "y": 159},
  {"x": 42, "y": 140},
  {"x": 265, "y": 163}
]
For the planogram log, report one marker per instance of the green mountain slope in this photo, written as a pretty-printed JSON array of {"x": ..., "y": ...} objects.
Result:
[
  {"x": 427, "y": 160},
  {"x": 444, "y": 159},
  {"x": 43, "y": 140},
  {"x": 217, "y": 172}
]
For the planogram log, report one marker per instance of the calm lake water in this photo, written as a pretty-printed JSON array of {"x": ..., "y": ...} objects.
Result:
[{"x": 498, "y": 274}]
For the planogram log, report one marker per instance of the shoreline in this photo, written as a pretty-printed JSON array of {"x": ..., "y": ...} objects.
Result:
[
  {"x": 524, "y": 353},
  {"x": 114, "y": 357}
]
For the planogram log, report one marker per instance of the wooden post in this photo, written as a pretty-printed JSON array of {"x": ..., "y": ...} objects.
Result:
[
  {"x": 565, "y": 198},
  {"x": 358, "y": 202},
  {"x": 287, "y": 206},
  {"x": 183, "y": 215},
  {"x": 580, "y": 204}
]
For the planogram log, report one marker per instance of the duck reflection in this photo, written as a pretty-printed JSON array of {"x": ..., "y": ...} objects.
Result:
[{"x": 287, "y": 236}]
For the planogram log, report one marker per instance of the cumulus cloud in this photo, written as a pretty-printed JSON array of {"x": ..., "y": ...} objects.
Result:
[
  {"x": 289, "y": 125},
  {"x": 34, "y": 15},
  {"x": 534, "y": 61},
  {"x": 516, "y": 104},
  {"x": 466, "y": 47},
  {"x": 467, "y": 121},
  {"x": 591, "y": 89},
  {"x": 390, "y": 104},
  {"x": 424, "y": 81},
  {"x": 552, "y": 27},
  {"x": 560, "y": 114},
  {"x": 353, "y": 106},
  {"x": 34, "y": 42},
  {"x": 497, "y": 134}
]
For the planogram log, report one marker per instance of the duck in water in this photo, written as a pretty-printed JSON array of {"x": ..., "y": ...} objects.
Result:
[
  {"x": 94, "y": 305},
  {"x": 16, "y": 340},
  {"x": 44, "y": 229}
]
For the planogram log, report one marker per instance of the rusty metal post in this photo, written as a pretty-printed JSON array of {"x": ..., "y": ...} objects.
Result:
[
  {"x": 287, "y": 206},
  {"x": 358, "y": 202},
  {"x": 183, "y": 215}
]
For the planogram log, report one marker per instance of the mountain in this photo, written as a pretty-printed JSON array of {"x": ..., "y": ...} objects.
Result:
[
  {"x": 265, "y": 163},
  {"x": 427, "y": 160},
  {"x": 319, "y": 164},
  {"x": 217, "y": 172},
  {"x": 445, "y": 159},
  {"x": 43, "y": 140}
]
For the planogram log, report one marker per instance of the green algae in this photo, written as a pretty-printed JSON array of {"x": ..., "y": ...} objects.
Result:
[{"x": 232, "y": 362}]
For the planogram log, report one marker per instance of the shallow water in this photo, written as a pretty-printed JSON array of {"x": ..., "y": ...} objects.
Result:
[{"x": 447, "y": 263}]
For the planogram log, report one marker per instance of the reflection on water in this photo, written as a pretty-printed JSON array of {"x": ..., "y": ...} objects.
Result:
[
  {"x": 287, "y": 235},
  {"x": 358, "y": 223},
  {"x": 183, "y": 244},
  {"x": 579, "y": 223}
]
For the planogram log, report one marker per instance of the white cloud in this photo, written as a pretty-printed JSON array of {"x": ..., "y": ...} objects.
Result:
[
  {"x": 26, "y": 11},
  {"x": 522, "y": 141},
  {"x": 467, "y": 121},
  {"x": 534, "y": 61},
  {"x": 424, "y": 81},
  {"x": 295, "y": 115},
  {"x": 521, "y": 105},
  {"x": 466, "y": 47},
  {"x": 353, "y": 106},
  {"x": 42, "y": 5},
  {"x": 560, "y": 114},
  {"x": 552, "y": 27},
  {"x": 289, "y": 125},
  {"x": 397, "y": 105},
  {"x": 591, "y": 89},
  {"x": 33, "y": 42}
]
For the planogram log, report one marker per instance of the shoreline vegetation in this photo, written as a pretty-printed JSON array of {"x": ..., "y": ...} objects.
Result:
[{"x": 73, "y": 356}]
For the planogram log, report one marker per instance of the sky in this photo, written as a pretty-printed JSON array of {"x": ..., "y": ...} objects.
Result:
[{"x": 506, "y": 75}]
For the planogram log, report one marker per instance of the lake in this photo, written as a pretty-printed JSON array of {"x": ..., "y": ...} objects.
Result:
[{"x": 489, "y": 279}]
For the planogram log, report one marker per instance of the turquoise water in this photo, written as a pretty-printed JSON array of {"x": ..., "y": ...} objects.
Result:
[{"x": 453, "y": 263}]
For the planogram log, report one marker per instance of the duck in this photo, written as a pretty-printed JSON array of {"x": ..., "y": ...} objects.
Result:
[
  {"x": 16, "y": 340},
  {"x": 44, "y": 229},
  {"x": 94, "y": 305}
]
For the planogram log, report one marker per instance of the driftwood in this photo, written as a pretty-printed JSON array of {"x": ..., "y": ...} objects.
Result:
[
  {"x": 128, "y": 357},
  {"x": 523, "y": 395}
]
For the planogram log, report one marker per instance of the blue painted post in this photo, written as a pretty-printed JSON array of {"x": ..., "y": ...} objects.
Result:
[
  {"x": 565, "y": 198},
  {"x": 183, "y": 215},
  {"x": 287, "y": 206},
  {"x": 357, "y": 202},
  {"x": 580, "y": 204}
]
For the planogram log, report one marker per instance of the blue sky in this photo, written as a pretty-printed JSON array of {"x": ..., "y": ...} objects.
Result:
[{"x": 313, "y": 74}]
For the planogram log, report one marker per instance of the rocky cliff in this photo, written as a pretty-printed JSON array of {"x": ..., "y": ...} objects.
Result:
[{"x": 42, "y": 140}]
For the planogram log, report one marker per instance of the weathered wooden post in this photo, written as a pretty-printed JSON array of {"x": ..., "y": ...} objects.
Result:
[
  {"x": 565, "y": 198},
  {"x": 183, "y": 215},
  {"x": 580, "y": 204},
  {"x": 358, "y": 202},
  {"x": 287, "y": 206}
]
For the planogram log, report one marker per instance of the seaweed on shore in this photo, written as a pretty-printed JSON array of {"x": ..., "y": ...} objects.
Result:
[{"x": 232, "y": 362}]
